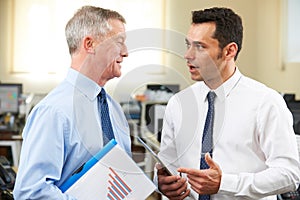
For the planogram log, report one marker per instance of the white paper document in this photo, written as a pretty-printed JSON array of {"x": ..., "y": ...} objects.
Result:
[{"x": 111, "y": 176}]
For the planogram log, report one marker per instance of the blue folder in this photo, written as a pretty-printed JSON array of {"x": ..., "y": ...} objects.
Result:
[{"x": 88, "y": 165}]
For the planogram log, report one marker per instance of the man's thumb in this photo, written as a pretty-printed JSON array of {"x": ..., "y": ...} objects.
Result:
[{"x": 210, "y": 161}]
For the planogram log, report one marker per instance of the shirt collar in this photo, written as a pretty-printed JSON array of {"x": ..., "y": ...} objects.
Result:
[
  {"x": 84, "y": 84},
  {"x": 224, "y": 90},
  {"x": 228, "y": 85}
]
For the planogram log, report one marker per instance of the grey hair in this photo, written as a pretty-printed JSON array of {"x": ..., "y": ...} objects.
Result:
[{"x": 89, "y": 20}]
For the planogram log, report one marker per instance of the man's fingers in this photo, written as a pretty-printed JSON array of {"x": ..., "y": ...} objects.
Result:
[
  {"x": 162, "y": 170},
  {"x": 209, "y": 160},
  {"x": 175, "y": 195},
  {"x": 158, "y": 166},
  {"x": 188, "y": 171},
  {"x": 175, "y": 190},
  {"x": 211, "y": 163},
  {"x": 183, "y": 170}
]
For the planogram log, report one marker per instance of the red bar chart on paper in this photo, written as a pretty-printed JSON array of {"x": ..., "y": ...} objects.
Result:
[{"x": 118, "y": 189}]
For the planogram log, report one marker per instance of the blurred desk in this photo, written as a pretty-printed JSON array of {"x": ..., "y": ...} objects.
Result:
[
  {"x": 150, "y": 140},
  {"x": 152, "y": 113},
  {"x": 14, "y": 141}
]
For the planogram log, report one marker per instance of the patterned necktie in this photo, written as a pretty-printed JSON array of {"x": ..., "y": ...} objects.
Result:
[
  {"x": 107, "y": 130},
  {"x": 207, "y": 141}
]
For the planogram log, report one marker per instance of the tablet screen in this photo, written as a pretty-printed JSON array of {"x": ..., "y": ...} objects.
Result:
[{"x": 155, "y": 156}]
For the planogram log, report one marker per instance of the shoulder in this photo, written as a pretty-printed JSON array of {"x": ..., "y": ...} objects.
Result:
[
  {"x": 258, "y": 92},
  {"x": 58, "y": 100},
  {"x": 185, "y": 100},
  {"x": 253, "y": 86},
  {"x": 189, "y": 94}
]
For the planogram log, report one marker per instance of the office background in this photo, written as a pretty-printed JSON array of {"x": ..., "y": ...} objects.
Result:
[{"x": 262, "y": 55}]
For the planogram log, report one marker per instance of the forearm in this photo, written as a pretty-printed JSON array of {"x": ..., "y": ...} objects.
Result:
[
  {"x": 271, "y": 181},
  {"x": 44, "y": 191}
]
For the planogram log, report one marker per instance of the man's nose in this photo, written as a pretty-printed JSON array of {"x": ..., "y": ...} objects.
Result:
[
  {"x": 124, "y": 52},
  {"x": 189, "y": 54}
]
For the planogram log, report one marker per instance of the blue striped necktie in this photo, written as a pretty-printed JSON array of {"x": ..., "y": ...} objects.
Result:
[
  {"x": 207, "y": 138},
  {"x": 107, "y": 130}
]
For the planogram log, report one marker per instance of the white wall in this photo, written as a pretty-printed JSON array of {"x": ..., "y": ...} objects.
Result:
[{"x": 260, "y": 57}]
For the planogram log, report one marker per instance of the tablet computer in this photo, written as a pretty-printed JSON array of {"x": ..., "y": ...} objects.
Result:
[{"x": 155, "y": 156}]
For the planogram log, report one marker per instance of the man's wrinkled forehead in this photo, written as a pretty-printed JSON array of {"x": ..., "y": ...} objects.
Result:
[{"x": 117, "y": 33}]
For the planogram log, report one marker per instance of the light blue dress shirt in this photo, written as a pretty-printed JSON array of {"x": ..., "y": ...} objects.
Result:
[{"x": 61, "y": 133}]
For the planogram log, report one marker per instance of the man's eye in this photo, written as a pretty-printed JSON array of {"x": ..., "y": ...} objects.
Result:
[
  {"x": 199, "y": 46},
  {"x": 120, "y": 43},
  {"x": 188, "y": 45}
]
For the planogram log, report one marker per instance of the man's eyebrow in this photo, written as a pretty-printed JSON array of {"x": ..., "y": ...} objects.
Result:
[{"x": 194, "y": 42}]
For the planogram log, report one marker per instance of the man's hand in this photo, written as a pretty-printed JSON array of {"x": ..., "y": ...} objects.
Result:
[
  {"x": 205, "y": 181},
  {"x": 173, "y": 187}
]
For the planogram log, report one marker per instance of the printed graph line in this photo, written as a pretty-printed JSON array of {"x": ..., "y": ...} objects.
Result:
[
  {"x": 117, "y": 189},
  {"x": 118, "y": 185},
  {"x": 113, "y": 194}
]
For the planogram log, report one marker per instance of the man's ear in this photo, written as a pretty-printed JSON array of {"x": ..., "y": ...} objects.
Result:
[
  {"x": 230, "y": 50},
  {"x": 88, "y": 44}
]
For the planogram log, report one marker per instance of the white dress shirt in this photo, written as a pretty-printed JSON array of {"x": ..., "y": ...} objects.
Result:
[{"x": 253, "y": 138}]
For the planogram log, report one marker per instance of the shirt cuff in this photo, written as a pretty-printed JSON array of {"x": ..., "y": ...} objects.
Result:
[{"x": 229, "y": 183}]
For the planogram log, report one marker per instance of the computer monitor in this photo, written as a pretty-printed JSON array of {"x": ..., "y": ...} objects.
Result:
[
  {"x": 172, "y": 88},
  {"x": 10, "y": 94},
  {"x": 154, "y": 110},
  {"x": 296, "y": 118},
  {"x": 154, "y": 118},
  {"x": 294, "y": 106}
]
